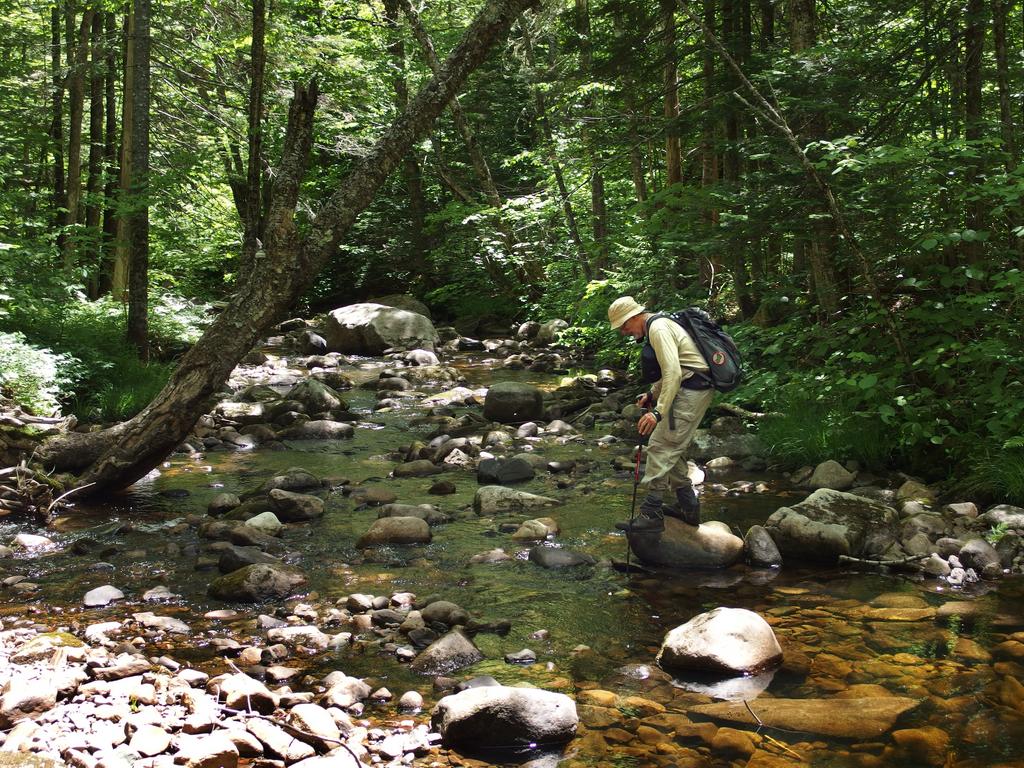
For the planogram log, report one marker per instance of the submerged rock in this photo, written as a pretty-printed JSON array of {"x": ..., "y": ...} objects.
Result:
[
  {"x": 496, "y": 499},
  {"x": 854, "y": 718},
  {"x": 396, "y": 530},
  {"x": 261, "y": 581}
]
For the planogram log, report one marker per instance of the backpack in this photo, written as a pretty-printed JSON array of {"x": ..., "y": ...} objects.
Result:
[{"x": 715, "y": 345}]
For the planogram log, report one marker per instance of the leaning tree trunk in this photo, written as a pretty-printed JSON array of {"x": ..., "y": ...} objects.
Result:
[{"x": 130, "y": 450}]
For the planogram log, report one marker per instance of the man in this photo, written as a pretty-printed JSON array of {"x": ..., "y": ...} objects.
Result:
[{"x": 679, "y": 399}]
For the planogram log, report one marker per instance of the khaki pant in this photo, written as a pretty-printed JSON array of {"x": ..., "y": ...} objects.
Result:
[{"x": 666, "y": 461}]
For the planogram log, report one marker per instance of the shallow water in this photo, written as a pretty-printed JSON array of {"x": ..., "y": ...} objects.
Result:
[{"x": 832, "y": 624}]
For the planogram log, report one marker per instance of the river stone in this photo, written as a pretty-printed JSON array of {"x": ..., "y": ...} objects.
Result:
[
  {"x": 706, "y": 446},
  {"x": 982, "y": 557},
  {"x": 936, "y": 566},
  {"x": 682, "y": 546},
  {"x": 30, "y": 541},
  {"x": 233, "y": 557},
  {"x": 853, "y": 718},
  {"x": 373, "y": 496},
  {"x": 213, "y": 751},
  {"x": 421, "y": 357},
  {"x": 555, "y": 558},
  {"x": 242, "y": 413},
  {"x": 278, "y": 740},
  {"x": 548, "y": 332},
  {"x": 403, "y": 301},
  {"x": 527, "y": 330},
  {"x": 511, "y": 402},
  {"x": 43, "y": 646},
  {"x": 149, "y": 740},
  {"x": 319, "y": 429},
  {"x": 831, "y": 474},
  {"x": 961, "y": 509},
  {"x": 22, "y": 700},
  {"x": 222, "y": 503},
  {"x": 369, "y": 329},
  {"x": 725, "y": 640},
  {"x": 316, "y": 397},
  {"x": 445, "y": 612},
  {"x": 448, "y": 653},
  {"x": 497, "y": 499},
  {"x": 536, "y": 530},
  {"x": 418, "y": 468},
  {"x": 912, "y": 490},
  {"x": 243, "y": 692},
  {"x": 831, "y": 523},
  {"x": 317, "y": 721},
  {"x": 760, "y": 547},
  {"x": 501, "y": 716},
  {"x": 100, "y": 596},
  {"x": 395, "y": 530},
  {"x": 344, "y": 691},
  {"x": 1004, "y": 514},
  {"x": 262, "y": 581},
  {"x": 294, "y": 479},
  {"x": 504, "y": 471},
  {"x": 427, "y": 512},
  {"x": 307, "y": 636},
  {"x": 266, "y": 522},
  {"x": 295, "y": 507}
]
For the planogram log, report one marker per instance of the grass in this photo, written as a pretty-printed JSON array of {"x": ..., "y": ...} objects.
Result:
[{"x": 996, "y": 475}]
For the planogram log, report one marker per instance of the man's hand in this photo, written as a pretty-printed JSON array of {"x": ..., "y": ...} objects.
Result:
[
  {"x": 646, "y": 400},
  {"x": 647, "y": 424}
]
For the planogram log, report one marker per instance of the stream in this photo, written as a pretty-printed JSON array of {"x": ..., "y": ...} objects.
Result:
[{"x": 844, "y": 633}]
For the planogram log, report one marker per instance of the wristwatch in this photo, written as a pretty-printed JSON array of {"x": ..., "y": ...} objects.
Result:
[{"x": 657, "y": 414}]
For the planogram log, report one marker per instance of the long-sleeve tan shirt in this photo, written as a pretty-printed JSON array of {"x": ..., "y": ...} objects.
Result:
[{"x": 678, "y": 357}]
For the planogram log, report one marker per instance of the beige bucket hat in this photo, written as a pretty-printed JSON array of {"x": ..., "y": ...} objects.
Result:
[{"x": 622, "y": 309}]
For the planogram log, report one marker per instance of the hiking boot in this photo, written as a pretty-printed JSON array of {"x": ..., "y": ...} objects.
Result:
[
  {"x": 687, "y": 506},
  {"x": 650, "y": 520}
]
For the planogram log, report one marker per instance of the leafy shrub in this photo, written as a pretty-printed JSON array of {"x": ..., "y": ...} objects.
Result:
[{"x": 34, "y": 376}]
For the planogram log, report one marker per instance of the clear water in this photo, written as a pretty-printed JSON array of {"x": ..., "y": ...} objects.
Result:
[{"x": 822, "y": 617}]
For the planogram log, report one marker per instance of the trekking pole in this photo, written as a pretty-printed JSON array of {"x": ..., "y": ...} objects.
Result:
[{"x": 636, "y": 483}]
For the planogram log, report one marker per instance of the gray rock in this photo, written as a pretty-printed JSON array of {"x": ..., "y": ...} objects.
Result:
[
  {"x": 395, "y": 530},
  {"x": 418, "y": 468},
  {"x": 101, "y": 596},
  {"x": 832, "y": 523},
  {"x": 24, "y": 699},
  {"x": 536, "y": 530},
  {"x": 555, "y": 558},
  {"x": 936, "y": 566},
  {"x": 239, "y": 691},
  {"x": 445, "y": 612},
  {"x": 344, "y": 691},
  {"x": 369, "y": 329},
  {"x": 232, "y": 558},
  {"x": 497, "y": 499},
  {"x": 279, "y": 741},
  {"x": 962, "y": 509},
  {"x": 912, "y": 490},
  {"x": 266, "y": 522},
  {"x": 831, "y": 474},
  {"x": 222, "y": 503},
  {"x": 682, "y": 546},
  {"x": 255, "y": 583},
  {"x": 500, "y": 716},
  {"x": 725, "y": 640},
  {"x": 312, "y": 343},
  {"x": 504, "y": 471},
  {"x": 427, "y": 512},
  {"x": 306, "y": 636},
  {"x": 315, "y": 720},
  {"x": 548, "y": 332},
  {"x": 982, "y": 557},
  {"x": 213, "y": 751},
  {"x": 294, "y": 479},
  {"x": 403, "y": 301},
  {"x": 511, "y": 402},
  {"x": 295, "y": 507},
  {"x": 319, "y": 429},
  {"x": 527, "y": 330},
  {"x": 760, "y": 547},
  {"x": 448, "y": 653},
  {"x": 933, "y": 526},
  {"x": 421, "y": 357},
  {"x": 1004, "y": 514}
]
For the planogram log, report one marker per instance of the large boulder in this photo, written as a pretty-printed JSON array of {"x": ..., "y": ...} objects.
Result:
[
  {"x": 403, "y": 301},
  {"x": 501, "y": 716},
  {"x": 511, "y": 402},
  {"x": 830, "y": 523},
  {"x": 681, "y": 546},
  {"x": 254, "y": 583},
  {"x": 1004, "y": 514},
  {"x": 725, "y": 640},
  {"x": 369, "y": 329}
]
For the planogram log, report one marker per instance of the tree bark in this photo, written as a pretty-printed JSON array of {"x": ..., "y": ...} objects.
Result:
[
  {"x": 710, "y": 266},
  {"x": 598, "y": 207},
  {"x": 76, "y": 105},
  {"x": 290, "y": 264},
  {"x": 93, "y": 203},
  {"x": 119, "y": 278},
  {"x": 138, "y": 277},
  {"x": 110, "y": 154},
  {"x": 1006, "y": 122},
  {"x": 673, "y": 160},
  {"x": 252, "y": 210},
  {"x": 60, "y": 196},
  {"x": 973, "y": 120}
]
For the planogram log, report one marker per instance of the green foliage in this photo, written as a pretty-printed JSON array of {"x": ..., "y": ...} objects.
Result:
[
  {"x": 996, "y": 475},
  {"x": 996, "y": 533},
  {"x": 33, "y": 376}
]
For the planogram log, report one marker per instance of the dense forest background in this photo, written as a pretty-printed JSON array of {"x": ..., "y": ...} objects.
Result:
[{"x": 839, "y": 182}]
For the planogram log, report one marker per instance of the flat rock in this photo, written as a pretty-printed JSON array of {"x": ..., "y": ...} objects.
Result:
[
  {"x": 864, "y": 718},
  {"x": 395, "y": 530},
  {"x": 101, "y": 596},
  {"x": 681, "y": 546}
]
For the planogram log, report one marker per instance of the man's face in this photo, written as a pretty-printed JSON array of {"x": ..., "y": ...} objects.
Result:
[{"x": 633, "y": 327}]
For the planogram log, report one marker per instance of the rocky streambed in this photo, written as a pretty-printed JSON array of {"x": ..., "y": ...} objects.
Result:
[{"x": 321, "y": 569}]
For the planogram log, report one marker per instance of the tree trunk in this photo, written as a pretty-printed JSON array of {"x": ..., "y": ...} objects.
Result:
[
  {"x": 60, "y": 195},
  {"x": 93, "y": 204},
  {"x": 252, "y": 209},
  {"x": 598, "y": 208},
  {"x": 119, "y": 279},
  {"x": 820, "y": 256},
  {"x": 673, "y": 161},
  {"x": 1006, "y": 123},
  {"x": 710, "y": 266},
  {"x": 129, "y": 451},
  {"x": 110, "y": 153},
  {"x": 138, "y": 277},
  {"x": 412, "y": 175},
  {"x": 973, "y": 121},
  {"x": 77, "y": 111}
]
